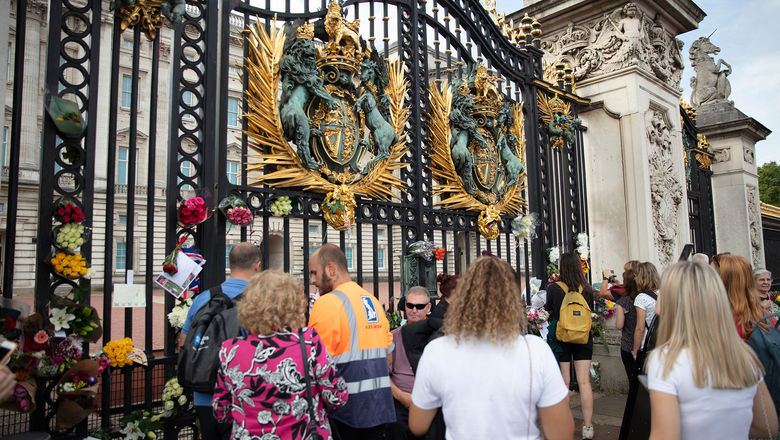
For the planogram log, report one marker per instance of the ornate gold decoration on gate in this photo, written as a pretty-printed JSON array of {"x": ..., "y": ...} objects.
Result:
[
  {"x": 477, "y": 149},
  {"x": 557, "y": 116},
  {"x": 702, "y": 151},
  {"x": 317, "y": 134},
  {"x": 150, "y": 14},
  {"x": 528, "y": 33}
]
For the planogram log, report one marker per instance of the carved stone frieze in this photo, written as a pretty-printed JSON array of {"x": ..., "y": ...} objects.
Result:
[
  {"x": 754, "y": 220},
  {"x": 665, "y": 188},
  {"x": 748, "y": 155},
  {"x": 624, "y": 37},
  {"x": 721, "y": 155}
]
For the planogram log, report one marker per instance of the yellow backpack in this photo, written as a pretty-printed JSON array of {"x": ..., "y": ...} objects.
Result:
[{"x": 575, "y": 321}]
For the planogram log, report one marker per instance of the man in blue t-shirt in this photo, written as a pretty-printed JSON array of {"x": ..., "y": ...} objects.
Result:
[{"x": 244, "y": 262}]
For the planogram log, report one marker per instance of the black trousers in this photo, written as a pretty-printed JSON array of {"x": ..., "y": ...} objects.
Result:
[
  {"x": 342, "y": 431},
  {"x": 210, "y": 429},
  {"x": 629, "y": 363},
  {"x": 400, "y": 429}
]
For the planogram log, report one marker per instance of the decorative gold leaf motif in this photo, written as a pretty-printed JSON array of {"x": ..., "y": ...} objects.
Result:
[
  {"x": 549, "y": 107},
  {"x": 276, "y": 162}
]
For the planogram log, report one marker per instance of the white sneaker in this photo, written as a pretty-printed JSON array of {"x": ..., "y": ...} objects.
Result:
[{"x": 587, "y": 432}]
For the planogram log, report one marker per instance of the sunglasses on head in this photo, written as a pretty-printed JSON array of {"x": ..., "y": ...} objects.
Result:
[{"x": 415, "y": 306}]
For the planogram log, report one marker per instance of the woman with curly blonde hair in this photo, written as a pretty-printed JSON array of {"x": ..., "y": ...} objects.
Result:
[
  {"x": 260, "y": 384},
  {"x": 490, "y": 378}
]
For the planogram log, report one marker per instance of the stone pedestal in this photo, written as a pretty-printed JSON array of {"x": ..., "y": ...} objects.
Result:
[
  {"x": 626, "y": 60},
  {"x": 732, "y": 136}
]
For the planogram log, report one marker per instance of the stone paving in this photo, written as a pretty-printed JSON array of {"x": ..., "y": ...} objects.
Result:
[{"x": 607, "y": 415}]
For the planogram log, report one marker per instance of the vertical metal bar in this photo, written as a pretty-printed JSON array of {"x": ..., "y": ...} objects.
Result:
[
  {"x": 213, "y": 157},
  {"x": 467, "y": 236},
  {"x": 265, "y": 242},
  {"x": 359, "y": 256},
  {"x": 375, "y": 234},
  {"x": 108, "y": 285},
  {"x": 173, "y": 191},
  {"x": 456, "y": 243},
  {"x": 150, "y": 202},
  {"x": 444, "y": 245},
  {"x": 286, "y": 226},
  {"x": 16, "y": 133},
  {"x": 306, "y": 258},
  {"x": 244, "y": 123},
  {"x": 131, "y": 169},
  {"x": 390, "y": 265}
]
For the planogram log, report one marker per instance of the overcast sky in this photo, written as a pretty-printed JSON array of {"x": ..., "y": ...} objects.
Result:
[{"x": 747, "y": 34}]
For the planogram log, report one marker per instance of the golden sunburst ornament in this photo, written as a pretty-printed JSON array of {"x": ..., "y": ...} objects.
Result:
[
  {"x": 491, "y": 181},
  {"x": 321, "y": 143}
]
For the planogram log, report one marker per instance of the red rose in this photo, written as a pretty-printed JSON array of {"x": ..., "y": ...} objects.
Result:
[
  {"x": 61, "y": 211},
  {"x": 66, "y": 218}
]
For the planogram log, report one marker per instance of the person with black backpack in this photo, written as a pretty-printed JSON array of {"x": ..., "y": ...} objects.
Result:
[{"x": 244, "y": 262}]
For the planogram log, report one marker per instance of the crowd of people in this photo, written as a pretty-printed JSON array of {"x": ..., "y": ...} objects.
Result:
[{"x": 467, "y": 368}]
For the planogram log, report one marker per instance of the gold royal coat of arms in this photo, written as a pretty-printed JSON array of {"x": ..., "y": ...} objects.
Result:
[
  {"x": 477, "y": 146},
  {"x": 326, "y": 116}
]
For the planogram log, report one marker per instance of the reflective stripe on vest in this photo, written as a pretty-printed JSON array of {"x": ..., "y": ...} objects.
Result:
[{"x": 355, "y": 354}]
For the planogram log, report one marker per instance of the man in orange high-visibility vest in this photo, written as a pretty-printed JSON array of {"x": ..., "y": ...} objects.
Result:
[{"x": 356, "y": 333}]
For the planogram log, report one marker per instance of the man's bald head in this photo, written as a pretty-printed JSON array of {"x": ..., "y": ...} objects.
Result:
[
  {"x": 700, "y": 258},
  {"x": 330, "y": 253}
]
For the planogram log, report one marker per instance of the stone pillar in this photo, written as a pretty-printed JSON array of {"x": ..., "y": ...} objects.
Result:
[
  {"x": 626, "y": 60},
  {"x": 732, "y": 137},
  {"x": 34, "y": 69}
]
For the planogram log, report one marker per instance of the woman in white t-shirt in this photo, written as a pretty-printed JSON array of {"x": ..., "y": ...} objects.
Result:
[
  {"x": 646, "y": 279},
  {"x": 491, "y": 380},
  {"x": 704, "y": 381}
]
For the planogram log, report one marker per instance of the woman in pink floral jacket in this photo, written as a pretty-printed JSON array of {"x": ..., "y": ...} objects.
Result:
[{"x": 260, "y": 385}]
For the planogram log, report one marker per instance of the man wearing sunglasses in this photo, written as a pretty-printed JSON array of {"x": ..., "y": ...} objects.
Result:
[{"x": 417, "y": 306}]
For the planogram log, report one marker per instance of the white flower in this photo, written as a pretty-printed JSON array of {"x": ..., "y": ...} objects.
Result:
[
  {"x": 182, "y": 400},
  {"x": 582, "y": 252},
  {"x": 90, "y": 273},
  {"x": 177, "y": 316},
  {"x": 554, "y": 254},
  {"x": 169, "y": 405},
  {"x": 581, "y": 239},
  {"x": 264, "y": 417},
  {"x": 61, "y": 319},
  {"x": 132, "y": 432}
]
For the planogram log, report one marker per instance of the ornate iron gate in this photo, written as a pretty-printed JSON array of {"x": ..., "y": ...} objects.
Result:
[
  {"x": 208, "y": 146},
  {"x": 698, "y": 159}
]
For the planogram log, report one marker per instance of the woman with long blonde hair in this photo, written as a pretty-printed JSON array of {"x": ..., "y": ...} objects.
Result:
[
  {"x": 704, "y": 381},
  {"x": 737, "y": 276},
  {"x": 646, "y": 280},
  {"x": 490, "y": 378}
]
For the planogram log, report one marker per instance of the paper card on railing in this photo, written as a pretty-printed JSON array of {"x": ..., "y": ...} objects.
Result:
[
  {"x": 129, "y": 295},
  {"x": 176, "y": 284}
]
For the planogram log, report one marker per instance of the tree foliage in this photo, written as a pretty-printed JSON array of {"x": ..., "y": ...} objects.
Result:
[{"x": 769, "y": 183}]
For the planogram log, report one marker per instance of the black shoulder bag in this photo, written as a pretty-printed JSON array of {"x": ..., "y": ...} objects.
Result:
[{"x": 309, "y": 399}]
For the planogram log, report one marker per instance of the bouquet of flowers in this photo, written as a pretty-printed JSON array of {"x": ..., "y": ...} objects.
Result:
[
  {"x": 23, "y": 397},
  {"x": 121, "y": 353},
  {"x": 71, "y": 266},
  {"x": 72, "y": 410},
  {"x": 583, "y": 251},
  {"x": 70, "y": 236},
  {"x": 66, "y": 211},
  {"x": 524, "y": 227},
  {"x": 8, "y": 323},
  {"x": 80, "y": 379},
  {"x": 179, "y": 313},
  {"x": 604, "y": 309},
  {"x": 235, "y": 210},
  {"x": 425, "y": 249},
  {"x": 78, "y": 319},
  {"x": 169, "y": 264},
  {"x": 536, "y": 319},
  {"x": 173, "y": 397},
  {"x": 281, "y": 206},
  {"x": 140, "y": 425},
  {"x": 193, "y": 211}
]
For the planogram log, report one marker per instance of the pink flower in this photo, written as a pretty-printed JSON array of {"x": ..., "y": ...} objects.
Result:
[{"x": 41, "y": 337}]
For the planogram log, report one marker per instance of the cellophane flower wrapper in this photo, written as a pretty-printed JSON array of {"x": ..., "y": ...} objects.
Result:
[
  {"x": 70, "y": 412},
  {"x": 424, "y": 249},
  {"x": 235, "y": 210}
]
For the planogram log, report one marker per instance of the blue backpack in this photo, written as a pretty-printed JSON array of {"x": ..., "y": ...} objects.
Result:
[{"x": 766, "y": 344}]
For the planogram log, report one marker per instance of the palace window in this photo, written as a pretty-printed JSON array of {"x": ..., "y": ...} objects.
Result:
[
  {"x": 348, "y": 254},
  {"x": 232, "y": 172},
  {"x": 127, "y": 90},
  {"x": 232, "y": 112},
  {"x": 121, "y": 165},
  {"x": 121, "y": 256}
]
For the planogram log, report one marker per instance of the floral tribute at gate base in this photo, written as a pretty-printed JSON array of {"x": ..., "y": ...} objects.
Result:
[
  {"x": 337, "y": 128},
  {"x": 477, "y": 149}
]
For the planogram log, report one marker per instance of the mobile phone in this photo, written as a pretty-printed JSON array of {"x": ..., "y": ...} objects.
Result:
[
  {"x": 686, "y": 252},
  {"x": 7, "y": 348}
]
